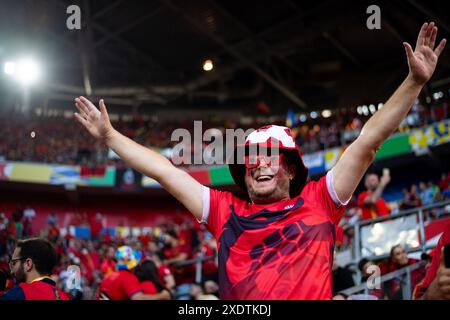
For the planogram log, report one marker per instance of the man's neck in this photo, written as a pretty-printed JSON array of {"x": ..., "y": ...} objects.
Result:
[
  {"x": 270, "y": 201},
  {"x": 33, "y": 276}
]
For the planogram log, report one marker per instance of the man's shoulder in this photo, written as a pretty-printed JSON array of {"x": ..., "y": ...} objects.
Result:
[
  {"x": 228, "y": 196},
  {"x": 15, "y": 293}
]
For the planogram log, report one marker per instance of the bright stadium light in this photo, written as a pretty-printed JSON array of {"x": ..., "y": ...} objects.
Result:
[
  {"x": 365, "y": 110},
  {"x": 359, "y": 110},
  {"x": 27, "y": 71},
  {"x": 10, "y": 68},
  {"x": 302, "y": 118},
  {"x": 326, "y": 113},
  {"x": 208, "y": 65}
]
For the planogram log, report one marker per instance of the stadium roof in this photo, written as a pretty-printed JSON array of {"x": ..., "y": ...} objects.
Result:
[{"x": 299, "y": 55}]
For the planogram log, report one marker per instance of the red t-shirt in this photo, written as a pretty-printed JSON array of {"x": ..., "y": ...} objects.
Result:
[
  {"x": 108, "y": 266},
  {"x": 43, "y": 290},
  {"x": 209, "y": 266},
  {"x": 164, "y": 271},
  {"x": 121, "y": 285},
  {"x": 283, "y": 250},
  {"x": 149, "y": 287},
  {"x": 422, "y": 287},
  {"x": 380, "y": 208}
]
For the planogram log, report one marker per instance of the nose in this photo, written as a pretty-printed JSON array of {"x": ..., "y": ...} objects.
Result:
[{"x": 263, "y": 162}]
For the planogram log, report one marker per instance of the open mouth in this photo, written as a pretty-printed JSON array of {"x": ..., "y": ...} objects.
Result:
[{"x": 264, "y": 178}]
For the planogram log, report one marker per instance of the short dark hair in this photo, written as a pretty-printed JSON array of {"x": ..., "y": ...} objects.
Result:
[
  {"x": 362, "y": 263},
  {"x": 42, "y": 253}
]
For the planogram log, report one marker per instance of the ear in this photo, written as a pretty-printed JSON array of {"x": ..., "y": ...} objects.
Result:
[
  {"x": 28, "y": 265},
  {"x": 292, "y": 171}
]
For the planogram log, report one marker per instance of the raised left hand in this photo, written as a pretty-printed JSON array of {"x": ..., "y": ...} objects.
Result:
[{"x": 422, "y": 61}]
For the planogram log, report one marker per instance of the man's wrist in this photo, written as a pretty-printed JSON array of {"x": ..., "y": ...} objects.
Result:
[
  {"x": 414, "y": 83},
  {"x": 109, "y": 136}
]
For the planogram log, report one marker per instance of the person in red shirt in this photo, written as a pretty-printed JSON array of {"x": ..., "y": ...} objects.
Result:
[
  {"x": 398, "y": 260},
  {"x": 444, "y": 182},
  {"x": 32, "y": 264},
  {"x": 278, "y": 242},
  {"x": 123, "y": 283},
  {"x": 147, "y": 274},
  {"x": 370, "y": 201},
  {"x": 208, "y": 248},
  {"x": 436, "y": 284},
  {"x": 96, "y": 226},
  {"x": 108, "y": 264}
]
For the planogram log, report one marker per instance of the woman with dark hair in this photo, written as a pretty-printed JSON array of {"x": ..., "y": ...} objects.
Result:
[
  {"x": 147, "y": 274},
  {"x": 398, "y": 260}
]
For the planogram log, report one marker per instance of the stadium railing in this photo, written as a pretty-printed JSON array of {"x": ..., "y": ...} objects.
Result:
[
  {"x": 404, "y": 275},
  {"x": 422, "y": 215},
  {"x": 198, "y": 261}
]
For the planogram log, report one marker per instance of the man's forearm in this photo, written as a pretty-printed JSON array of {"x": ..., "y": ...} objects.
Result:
[
  {"x": 142, "y": 159},
  {"x": 377, "y": 193},
  {"x": 384, "y": 122}
]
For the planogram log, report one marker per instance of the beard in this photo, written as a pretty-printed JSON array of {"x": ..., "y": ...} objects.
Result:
[{"x": 20, "y": 275}]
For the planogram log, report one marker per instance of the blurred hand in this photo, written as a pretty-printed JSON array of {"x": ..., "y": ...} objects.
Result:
[
  {"x": 95, "y": 121},
  {"x": 422, "y": 61},
  {"x": 385, "y": 178},
  {"x": 440, "y": 287}
]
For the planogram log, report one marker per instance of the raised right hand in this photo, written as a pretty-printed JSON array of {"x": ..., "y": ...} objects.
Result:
[{"x": 95, "y": 121}]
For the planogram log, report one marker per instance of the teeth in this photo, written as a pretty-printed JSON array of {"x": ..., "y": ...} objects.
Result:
[{"x": 263, "y": 178}]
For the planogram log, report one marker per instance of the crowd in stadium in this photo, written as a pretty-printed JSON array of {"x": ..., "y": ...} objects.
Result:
[
  {"x": 163, "y": 247},
  {"x": 51, "y": 139},
  {"x": 160, "y": 251}
]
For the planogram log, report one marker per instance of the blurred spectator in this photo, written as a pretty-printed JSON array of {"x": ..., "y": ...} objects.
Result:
[
  {"x": 147, "y": 274},
  {"x": 32, "y": 264},
  {"x": 370, "y": 201},
  {"x": 444, "y": 182},
  {"x": 342, "y": 277},
  {"x": 3, "y": 234},
  {"x": 108, "y": 264},
  {"x": 52, "y": 219},
  {"x": 398, "y": 260},
  {"x": 123, "y": 283},
  {"x": 198, "y": 293},
  {"x": 368, "y": 269},
  {"x": 411, "y": 199},
  {"x": 427, "y": 193}
]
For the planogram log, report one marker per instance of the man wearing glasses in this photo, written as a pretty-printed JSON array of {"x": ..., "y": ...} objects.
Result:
[
  {"x": 279, "y": 242},
  {"x": 32, "y": 264}
]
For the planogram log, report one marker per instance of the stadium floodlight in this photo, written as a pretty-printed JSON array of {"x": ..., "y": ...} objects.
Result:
[
  {"x": 326, "y": 113},
  {"x": 302, "y": 118},
  {"x": 10, "y": 68},
  {"x": 208, "y": 65},
  {"x": 25, "y": 71}
]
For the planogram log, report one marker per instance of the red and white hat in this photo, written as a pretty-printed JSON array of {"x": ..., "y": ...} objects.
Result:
[{"x": 271, "y": 136}]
